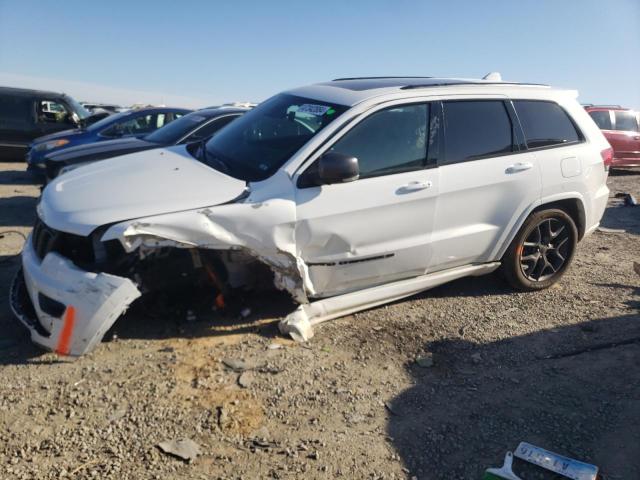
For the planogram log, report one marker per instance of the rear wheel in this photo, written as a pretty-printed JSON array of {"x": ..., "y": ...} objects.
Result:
[{"x": 542, "y": 250}]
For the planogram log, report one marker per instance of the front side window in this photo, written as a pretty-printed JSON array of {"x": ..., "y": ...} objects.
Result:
[
  {"x": 476, "y": 129},
  {"x": 602, "y": 119},
  {"x": 134, "y": 126},
  {"x": 545, "y": 124},
  {"x": 626, "y": 121},
  {"x": 50, "y": 111},
  {"x": 389, "y": 141},
  {"x": 256, "y": 145}
]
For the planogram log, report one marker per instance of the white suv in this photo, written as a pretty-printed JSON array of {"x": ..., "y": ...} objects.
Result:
[{"x": 353, "y": 193}]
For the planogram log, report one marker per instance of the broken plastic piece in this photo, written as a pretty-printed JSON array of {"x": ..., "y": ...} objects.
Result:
[
  {"x": 83, "y": 313},
  {"x": 184, "y": 449},
  {"x": 565, "y": 466},
  {"x": 505, "y": 471}
]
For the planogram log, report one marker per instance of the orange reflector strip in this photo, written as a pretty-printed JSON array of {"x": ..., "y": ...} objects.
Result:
[
  {"x": 64, "y": 342},
  {"x": 220, "y": 301},
  {"x": 520, "y": 249}
]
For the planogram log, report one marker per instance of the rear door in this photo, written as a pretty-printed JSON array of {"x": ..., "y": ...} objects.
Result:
[{"x": 487, "y": 180}]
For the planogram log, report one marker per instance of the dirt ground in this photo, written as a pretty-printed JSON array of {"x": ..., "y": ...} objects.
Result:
[{"x": 559, "y": 369}]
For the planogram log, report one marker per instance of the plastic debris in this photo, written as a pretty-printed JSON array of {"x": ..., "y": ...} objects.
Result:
[
  {"x": 425, "y": 360},
  {"x": 185, "y": 449},
  {"x": 503, "y": 472},
  {"x": 628, "y": 199},
  {"x": 611, "y": 230},
  {"x": 556, "y": 463}
]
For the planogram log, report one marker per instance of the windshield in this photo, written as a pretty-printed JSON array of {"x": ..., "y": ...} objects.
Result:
[
  {"x": 256, "y": 145},
  {"x": 177, "y": 129},
  {"x": 106, "y": 121},
  {"x": 79, "y": 109}
]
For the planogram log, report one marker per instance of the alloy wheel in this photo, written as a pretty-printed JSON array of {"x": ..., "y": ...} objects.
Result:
[{"x": 545, "y": 250}]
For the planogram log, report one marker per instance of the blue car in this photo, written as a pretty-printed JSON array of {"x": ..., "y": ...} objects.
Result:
[{"x": 134, "y": 123}]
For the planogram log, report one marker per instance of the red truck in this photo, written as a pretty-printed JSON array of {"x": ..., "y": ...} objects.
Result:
[{"x": 621, "y": 127}]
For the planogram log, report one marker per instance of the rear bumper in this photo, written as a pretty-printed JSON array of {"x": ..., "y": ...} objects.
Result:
[{"x": 66, "y": 309}]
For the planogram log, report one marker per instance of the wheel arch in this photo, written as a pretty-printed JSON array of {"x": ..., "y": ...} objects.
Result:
[{"x": 572, "y": 205}]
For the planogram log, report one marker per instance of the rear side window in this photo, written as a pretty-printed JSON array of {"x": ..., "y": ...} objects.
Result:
[
  {"x": 602, "y": 119},
  {"x": 476, "y": 129},
  {"x": 626, "y": 121},
  {"x": 15, "y": 109},
  {"x": 389, "y": 141},
  {"x": 545, "y": 124}
]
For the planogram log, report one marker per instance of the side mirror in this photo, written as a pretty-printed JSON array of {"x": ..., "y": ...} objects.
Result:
[{"x": 334, "y": 167}]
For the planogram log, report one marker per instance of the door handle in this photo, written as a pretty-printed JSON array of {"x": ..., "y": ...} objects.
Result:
[
  {"x": 519, "y": 167},
  {"x": 417, "y": 185}
]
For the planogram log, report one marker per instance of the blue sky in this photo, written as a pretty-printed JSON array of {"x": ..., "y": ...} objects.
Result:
[{"x": 204, "y": 52}]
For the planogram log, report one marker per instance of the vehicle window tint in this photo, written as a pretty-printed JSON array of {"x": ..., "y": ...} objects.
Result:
[
  {"x": 602, "y": 119},
  {"x": 627, "y": 121},
  {"x": 135, "y": 126},
  {"x": 52, "y": 112},
  {"x": 476, "y": 129},
  {"x": 210, "y": 128},
  {"x": 15, "y": 109},
  {"x": 389, "y": 141},
  {"x": 545, "y": 123}
]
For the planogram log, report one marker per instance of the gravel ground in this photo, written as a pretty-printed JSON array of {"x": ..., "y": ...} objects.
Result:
[{"x": 557, "y": 368}]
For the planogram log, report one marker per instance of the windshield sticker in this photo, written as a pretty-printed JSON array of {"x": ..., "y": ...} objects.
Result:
[{"x": 312, "y": 109}]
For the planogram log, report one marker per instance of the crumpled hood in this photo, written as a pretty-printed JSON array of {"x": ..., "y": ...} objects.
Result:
[{"x": 134, "y": 186}]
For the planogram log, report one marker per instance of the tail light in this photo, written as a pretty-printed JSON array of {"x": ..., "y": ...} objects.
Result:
[{"x": 607, "y": 157}]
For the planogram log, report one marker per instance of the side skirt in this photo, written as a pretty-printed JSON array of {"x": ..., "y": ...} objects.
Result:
[{"x": 299, "y": 324}]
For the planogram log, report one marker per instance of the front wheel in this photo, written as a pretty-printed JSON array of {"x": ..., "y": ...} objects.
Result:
[{"x": 541, "y": 251}]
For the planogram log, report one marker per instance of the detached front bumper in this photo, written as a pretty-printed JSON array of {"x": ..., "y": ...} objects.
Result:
[{"x": 66, "y": 309}]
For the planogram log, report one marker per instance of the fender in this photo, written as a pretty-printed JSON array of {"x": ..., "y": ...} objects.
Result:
[{"x": 502, "y": 246}]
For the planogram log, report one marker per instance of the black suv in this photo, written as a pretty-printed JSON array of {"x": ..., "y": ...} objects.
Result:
[{"x": 28, "y": 114}]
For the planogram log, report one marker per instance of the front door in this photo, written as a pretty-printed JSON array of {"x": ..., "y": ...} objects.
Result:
[{"x": 376, "y": 229}]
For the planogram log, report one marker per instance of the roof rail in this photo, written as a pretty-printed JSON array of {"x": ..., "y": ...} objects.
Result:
[
  {"x": 378, "y": 78},
  {"x": 603, "y": 106},
  {"x": 470, "y": 82}
]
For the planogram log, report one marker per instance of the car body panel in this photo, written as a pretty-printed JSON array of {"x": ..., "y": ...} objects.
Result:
[
  {"x": 148, "y": 183},
  {"x": 352, "y": 245},
  {"x": 625, "y": 142}
]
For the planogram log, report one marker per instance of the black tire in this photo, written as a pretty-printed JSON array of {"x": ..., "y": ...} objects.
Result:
[{"x": 541, "y": 251}]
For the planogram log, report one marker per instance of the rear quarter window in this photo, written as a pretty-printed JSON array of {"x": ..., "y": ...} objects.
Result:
[
  {"x": 602, "y": 119},
  {"x": 15, "y": 109},
  {"x": 545, "y": 124}
]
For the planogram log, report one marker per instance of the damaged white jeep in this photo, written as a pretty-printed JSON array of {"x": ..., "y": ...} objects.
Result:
[{"x": 347, "y": 194}]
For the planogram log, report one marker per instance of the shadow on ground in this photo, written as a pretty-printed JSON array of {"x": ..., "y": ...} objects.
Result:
[
  {"x": 574, "y": 390},
  {"x": 12, "y": 211}
]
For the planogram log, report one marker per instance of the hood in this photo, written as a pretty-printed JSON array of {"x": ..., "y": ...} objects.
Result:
[
  {"x": 99, "y": 150},
  {"x": 134, "y": 186},
  {"x": 57, "y": 135}
]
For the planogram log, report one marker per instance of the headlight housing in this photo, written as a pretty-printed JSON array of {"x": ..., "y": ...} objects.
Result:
[{"x": 50, "y": 145}]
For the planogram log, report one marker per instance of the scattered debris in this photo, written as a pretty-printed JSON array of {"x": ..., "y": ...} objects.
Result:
[
  {"x": 245, "y": 312},
  {"x": 476, "y": 358},
  {"x": 274, "y": 346},
  {"x": 235, "y": 364},
  {"x": 611, "y": 230},
  {"x": 425, "y": 361},
  {"x": 245, "y": 380},
  {"x": 629, "y": 200},
  {"x": 503, "y": 472},
  {"x": 185, "y": 449},
  {"x": 556, "y": 463}
]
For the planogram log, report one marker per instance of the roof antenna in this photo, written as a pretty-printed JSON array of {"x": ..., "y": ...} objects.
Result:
[{"x": 493, "y": 77}]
